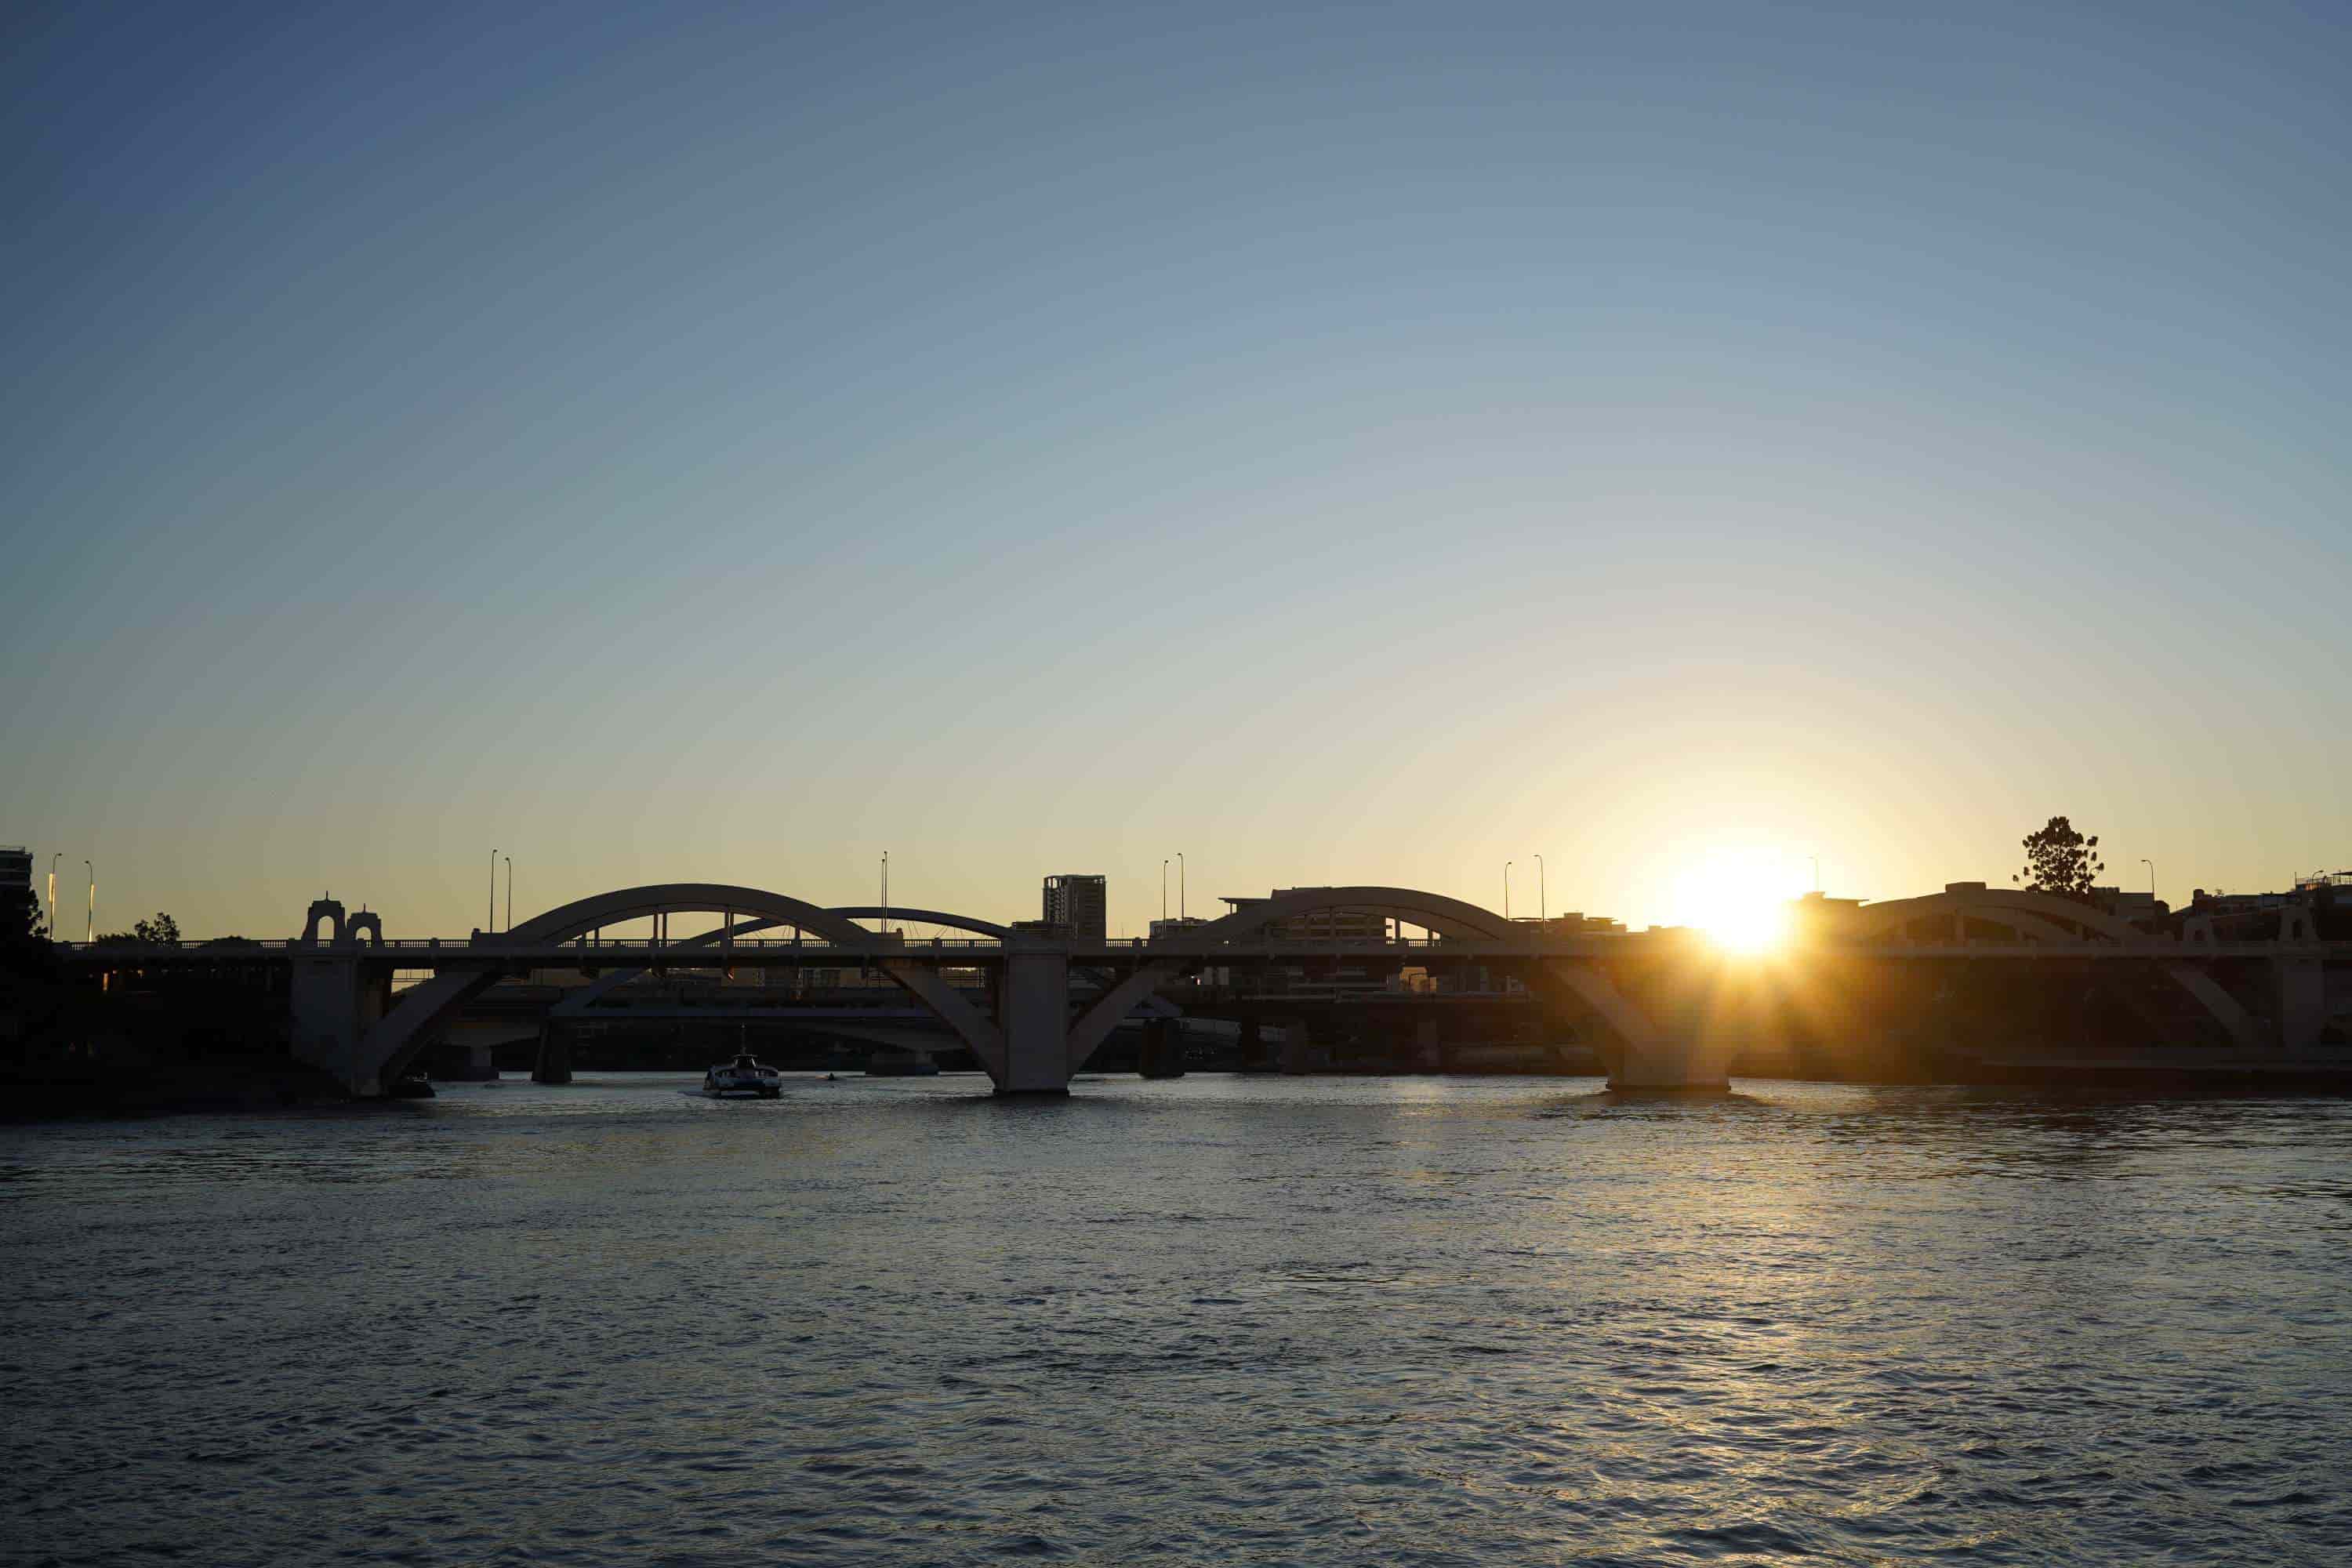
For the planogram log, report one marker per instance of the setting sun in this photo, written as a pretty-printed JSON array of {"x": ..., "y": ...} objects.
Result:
[{"x": 1738, "y": 897}]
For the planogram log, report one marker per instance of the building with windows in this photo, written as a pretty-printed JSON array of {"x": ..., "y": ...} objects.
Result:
[
  {"x": 1079, "y": 904},
  {"x": 16, "y": 868}
]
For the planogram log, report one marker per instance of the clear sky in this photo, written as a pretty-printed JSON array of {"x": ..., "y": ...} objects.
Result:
[{"x": 1343, "y": 444}]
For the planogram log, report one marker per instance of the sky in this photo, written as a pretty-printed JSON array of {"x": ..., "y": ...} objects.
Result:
[{"x": 1341, "y": 445}]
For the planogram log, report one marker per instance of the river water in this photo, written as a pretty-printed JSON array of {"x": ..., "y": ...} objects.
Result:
[{"x": 1248, "y": 1321}]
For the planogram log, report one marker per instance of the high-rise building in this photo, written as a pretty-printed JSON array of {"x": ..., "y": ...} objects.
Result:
[
  {"x": 1081, "y": 905},
  {"x": 16, "y": 868}
]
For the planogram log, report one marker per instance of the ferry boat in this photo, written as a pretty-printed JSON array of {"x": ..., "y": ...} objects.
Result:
[{"x": 743, "y": 1076}]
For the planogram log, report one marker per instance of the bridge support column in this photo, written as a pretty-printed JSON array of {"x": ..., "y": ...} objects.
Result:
[
  {"x": 554, "y": 1062},
  {"x": 327, "y": 1002},
  {"x": 1034, "y": 1014},
  {"x": 1163, "y": 1049},
  {"x": 2301, "y": 986}
]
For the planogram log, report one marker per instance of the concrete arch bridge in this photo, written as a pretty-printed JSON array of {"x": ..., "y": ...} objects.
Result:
[{"x": 1659, "y": 1007}]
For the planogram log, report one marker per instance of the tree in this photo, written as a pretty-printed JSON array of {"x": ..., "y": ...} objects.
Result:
[
  {"x": 2059, "y": 860},
  {"x": 20, "y": 917},
  {"x": 162, "y": 929}
]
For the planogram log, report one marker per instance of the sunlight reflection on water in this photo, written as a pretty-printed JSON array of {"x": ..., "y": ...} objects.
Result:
[{"x": 1313, "y": 1321}]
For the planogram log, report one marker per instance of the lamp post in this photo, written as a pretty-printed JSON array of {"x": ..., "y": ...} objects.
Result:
[
  {"x": 885, "y": 892},
  {"x": 1179, "y": 884},
  {"x": 492, "y": 918},
  {"x": 1542, "y": 906},
  {"x": 53, "y": 893},
  {"x": 510, "y": 861},
  {"x": 2151, "y": 874},
  {"x": 90, "y": 929},
  {"x": 1506, "y": 890}
]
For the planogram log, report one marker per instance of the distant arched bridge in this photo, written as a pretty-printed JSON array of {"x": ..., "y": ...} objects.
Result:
[{"x": 1643, "y": 1001}]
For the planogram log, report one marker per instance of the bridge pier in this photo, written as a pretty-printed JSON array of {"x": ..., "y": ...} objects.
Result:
[
  {"x": 1033, "y": 1015},
  {"x": 553, "y": 1064},
  {"x": 2300, "y": 988}
]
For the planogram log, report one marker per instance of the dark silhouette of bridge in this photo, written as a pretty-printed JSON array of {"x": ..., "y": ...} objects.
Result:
[{"x": 1649, "y": 1003}]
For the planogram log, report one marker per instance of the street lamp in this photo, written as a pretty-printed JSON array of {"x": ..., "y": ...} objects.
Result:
[
  {"x": 510, "y": 861},
  {"x": 493, "y": 916},
  {"x": 2151, "y": 874},
  {"x": 1542, "y": 908},
  {"x": 53, "y": 893},
  {"x": 1179, "y": 884},
  {"x": 885, "y": 892},
  {"x": 1506, "y": 890},
  {"x": 90, "y": 930}
]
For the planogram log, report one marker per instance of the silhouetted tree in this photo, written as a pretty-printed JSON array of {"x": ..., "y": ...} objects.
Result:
[
  {"x": 2059, "y": 860},
  {"x": 20, "y": 917},
  {"x": 161, "y": 929}
]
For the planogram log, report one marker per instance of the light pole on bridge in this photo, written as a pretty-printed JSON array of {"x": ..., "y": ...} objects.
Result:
[
  {"x": 53, "y": 893},
  {"x": 2151, "y": 874},
  {"x": 510, "y": 861},
  {"x": 885, "y": 892},
  {"x": 89, "y": 929},
  {"x": 1506, "y": 890},
  {"x": 491, "y": 919}
]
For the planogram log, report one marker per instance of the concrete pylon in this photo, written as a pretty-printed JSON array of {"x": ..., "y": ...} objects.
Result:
[
  {"x": 553, "y": 1064},
  {"x": 2301, "y": 989},
  {"x": 1033, "y": 1015}
]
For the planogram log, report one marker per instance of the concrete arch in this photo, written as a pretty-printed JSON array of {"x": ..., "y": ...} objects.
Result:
[
  {"x": 2035, "y": 916},
  {"x": 330, "y": 911},
  {"x": 365, "y": 920},
  {"x": 1433, "y": 911},
  {"x": 2027, "y": 913},
  {"x": 923, "y": 917},
  {"x": 395, "y": 1040}
]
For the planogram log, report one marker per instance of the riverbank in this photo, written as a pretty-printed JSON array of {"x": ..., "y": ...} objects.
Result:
[{"x": 69, "y": 1088}]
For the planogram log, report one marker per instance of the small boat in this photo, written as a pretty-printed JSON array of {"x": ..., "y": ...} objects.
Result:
[{"x": 743, "y": 1076}]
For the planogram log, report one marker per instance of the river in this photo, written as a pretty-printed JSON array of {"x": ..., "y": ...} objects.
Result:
[{"x": 1220, "y": 1320}]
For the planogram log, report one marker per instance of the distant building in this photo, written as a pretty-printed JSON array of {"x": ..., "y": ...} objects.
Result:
[
  {"x": 1176, "y": 927},
  {"x": 1079, "y": 904},
  {"x": 16, "y": 868}
]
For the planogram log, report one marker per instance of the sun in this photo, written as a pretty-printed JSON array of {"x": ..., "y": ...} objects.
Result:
[{"x": 1738, "y": 897}]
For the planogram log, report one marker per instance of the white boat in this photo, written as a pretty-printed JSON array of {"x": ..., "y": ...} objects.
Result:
[{"x": 742, "y": 1075}]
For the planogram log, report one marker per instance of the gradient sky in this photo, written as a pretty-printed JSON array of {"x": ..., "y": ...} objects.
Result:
[{"x": 1343, "y": 444}]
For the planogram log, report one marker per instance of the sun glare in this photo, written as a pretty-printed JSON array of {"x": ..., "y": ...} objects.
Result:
[{"x": 1738, "y": 897}]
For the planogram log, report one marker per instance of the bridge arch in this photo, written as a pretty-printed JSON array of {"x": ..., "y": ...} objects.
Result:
[
  {"x": 1448, "y": 917},
  {"x": 2044, "y": 918},
  {"x": 2041, "y": 916},
  {"x": 395, "y": 1040},
  {"x": 1432, "y": 911}
]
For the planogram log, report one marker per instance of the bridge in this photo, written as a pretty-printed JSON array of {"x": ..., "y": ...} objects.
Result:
[{"x": 1664, "y": 1010}]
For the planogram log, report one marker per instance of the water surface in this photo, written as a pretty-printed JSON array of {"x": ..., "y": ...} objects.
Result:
[{"x": 1417, "y": 1321}]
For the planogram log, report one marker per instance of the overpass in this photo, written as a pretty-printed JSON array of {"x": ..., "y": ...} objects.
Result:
[{"x": 1656, "y": 1005}]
